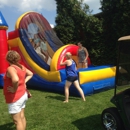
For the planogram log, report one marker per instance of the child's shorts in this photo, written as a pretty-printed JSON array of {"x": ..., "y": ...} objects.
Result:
[{"x": 17, "y": 106}]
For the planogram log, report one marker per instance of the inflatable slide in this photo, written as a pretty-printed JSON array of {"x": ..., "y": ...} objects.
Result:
[{"x": 33, "y": 34}]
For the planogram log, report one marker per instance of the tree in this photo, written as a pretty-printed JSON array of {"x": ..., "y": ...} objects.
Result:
[
  {"x": 116, "y": 17},
  {"x": 65, "y": 25},
  {"x": 74, "y": 23},
  {"x": 72, "y": 19}
]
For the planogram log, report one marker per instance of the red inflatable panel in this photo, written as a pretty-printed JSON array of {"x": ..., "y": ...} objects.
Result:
[
  {"x": 73, "y": 49},
  {"x": 13, "y": 34},
  {"x": 3, "y": 51}
]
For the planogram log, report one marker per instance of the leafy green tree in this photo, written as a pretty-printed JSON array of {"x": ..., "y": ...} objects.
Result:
[
  {"x": 74, "y": 23},
  {"x": 65, "y": 25},
  {"x": 116, "y": 17}
]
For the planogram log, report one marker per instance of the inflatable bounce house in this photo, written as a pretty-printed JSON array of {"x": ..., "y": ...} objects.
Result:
[{"x": 31, "y": 30}]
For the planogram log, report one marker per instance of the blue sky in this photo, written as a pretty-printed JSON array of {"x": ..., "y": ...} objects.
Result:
[{"x": 13, "y": 9}]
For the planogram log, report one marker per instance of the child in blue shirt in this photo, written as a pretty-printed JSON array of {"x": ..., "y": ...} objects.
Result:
[{"x": 72, "y": 76}]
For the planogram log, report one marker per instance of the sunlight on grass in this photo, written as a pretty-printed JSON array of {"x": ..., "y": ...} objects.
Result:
[{"x": 46, "y": 111}]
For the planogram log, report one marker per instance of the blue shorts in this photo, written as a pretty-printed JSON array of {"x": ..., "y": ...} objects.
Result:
[{"x": 72, "y": 78}]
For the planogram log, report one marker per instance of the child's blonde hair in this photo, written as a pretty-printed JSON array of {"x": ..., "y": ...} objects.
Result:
[{"x": 68, "y": 55}]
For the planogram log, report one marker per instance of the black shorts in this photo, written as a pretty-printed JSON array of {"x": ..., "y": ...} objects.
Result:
[{"x": 72, "y": 78}]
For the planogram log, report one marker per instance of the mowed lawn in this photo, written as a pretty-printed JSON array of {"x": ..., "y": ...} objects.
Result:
[{"x": 46, "y": 111}]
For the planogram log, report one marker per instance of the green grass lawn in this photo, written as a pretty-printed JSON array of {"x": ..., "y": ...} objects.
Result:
[{"x": 46, "y": 111}]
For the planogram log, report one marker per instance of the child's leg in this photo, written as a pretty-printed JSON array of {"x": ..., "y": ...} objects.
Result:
[
  {"x": 67, "y": 86},
  {"x": 76, "y": 83},
  {"x": 85, "y": 65}
]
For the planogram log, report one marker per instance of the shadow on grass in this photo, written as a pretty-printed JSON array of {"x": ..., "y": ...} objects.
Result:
[
  {"x": 61, "y": 98},
  {"x": 8, "y": 126},
  {"x": 89, "y": 123},
  {"x": 56, "y": 97}
]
